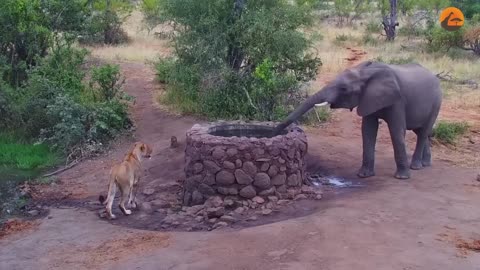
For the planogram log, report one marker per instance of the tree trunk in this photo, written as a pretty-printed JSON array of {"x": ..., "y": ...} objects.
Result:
[
  {"x": 235, "y": 54},
  {"x": 390, "y": 22}
]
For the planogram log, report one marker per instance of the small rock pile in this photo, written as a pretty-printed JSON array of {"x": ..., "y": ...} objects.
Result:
[
  {"x": 245, "y": 167},
  {"x": 218, "y": 212}
]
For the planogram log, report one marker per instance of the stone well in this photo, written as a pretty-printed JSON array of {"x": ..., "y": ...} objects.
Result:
[{"x": 242, "y": 159}]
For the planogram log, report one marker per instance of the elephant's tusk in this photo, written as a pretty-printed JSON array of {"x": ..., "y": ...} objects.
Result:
[{"x": 321, "y": 104}]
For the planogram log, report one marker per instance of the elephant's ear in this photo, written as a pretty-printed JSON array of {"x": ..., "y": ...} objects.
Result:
[{"x": 381, "y": 90}]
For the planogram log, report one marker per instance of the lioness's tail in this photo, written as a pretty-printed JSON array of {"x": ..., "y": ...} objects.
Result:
[{"x": 111, "y": 189}]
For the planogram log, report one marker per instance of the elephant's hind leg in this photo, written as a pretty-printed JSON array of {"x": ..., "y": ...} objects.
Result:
[
  {"x": 422, "y": 141},
  {"x": 427, "y": 155}
]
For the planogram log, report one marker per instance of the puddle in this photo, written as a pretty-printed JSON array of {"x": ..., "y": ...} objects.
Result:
[{"x": 332, "y": 181}]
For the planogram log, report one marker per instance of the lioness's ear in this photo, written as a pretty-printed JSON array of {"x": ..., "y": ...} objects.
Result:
[{"x": 142, "y": 148}]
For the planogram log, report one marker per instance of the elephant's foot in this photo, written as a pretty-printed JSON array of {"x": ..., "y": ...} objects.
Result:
[
  {"x": 365, "y": 172},
  {"x": 427, "y": 163},
  {"x": 402, "y": 174},
  {"x": 416, "y": 165}
]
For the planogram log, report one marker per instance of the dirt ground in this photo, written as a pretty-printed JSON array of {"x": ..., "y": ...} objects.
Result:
[{"x": 422, "y": 223}]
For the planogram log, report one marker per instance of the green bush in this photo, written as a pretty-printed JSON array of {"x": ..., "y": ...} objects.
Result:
[
  {"x": 397, "y": 60},
  {"x": 448, "y": 132},
  {"x": 222, "y": 52},
  {"x": 440, "y": 40},
  {"x": 106, "y": 82},
  {"x": 373, "y": 27},
  {"x": 368, "y": 39}
]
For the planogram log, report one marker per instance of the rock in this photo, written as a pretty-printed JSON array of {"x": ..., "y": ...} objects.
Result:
[
  {"x": 248, "y": 156},
  {"x": 272, "y": 171},
  {"x": 274, "y": 151},
  {"x": 232, "y": 152},
  {"x": 238, "y": 163},
  {"x": 192, "y": 182},
  {"x": 258, "y": 200},
  {"x": 478, "y": 177},
  {"x": 228, "y": 203},
  {"x": 187, "y": 198},
  {"x": 253, "y": 205},
  {"x": 34, "y": 212},
  {"x": 242, "y": 177},
  {"x": 215, "y": 212},
  {"x": 228, "y": 219},
  {"x": 291, "y": 193},
  {"x": 194, "y": 209},
  {"x": 148, "y": 191},
  {"x": 300, "y": 197},
  {"x": 283, "y": 202},
  {"x": 308, "y": 189},
  {"x": 264, "y": 167},
  {"x": 199, "y": 219},
  {"x": 228, "y": 165},
  {"x": 160, "y": 204},
  {"x": 206, "y": 190},
  {"x": 161, "y": 211},
  {"x": 281, "y": 160},
  {"x": 239, "y": 210},
  {"x": 249, "y": 168},
  {"x": 222, "y": 190},
  {"x": 262, "y": 180},
  {"x": 218, "y": 154},
  {"x": 282, "y": 189},
  {"x": 266, "y": 212},
  {"x": 248, "y": 192},
  {"x": 267, "y": 192},
  {"x": 293, "y": 180},
  {"x": 197, "y": 197},
  {"x": 273, "y": 199},
  {"x": 252, "y": 218},
  {"x": 211, "y": 166},
  {"x": 212, "y": 220},
  {"x": 225, "y": 178},
  {"x": 146, "y": 207},
  {"x": 170, "y": 219},
  {"x": 209, "y": 180},
  {"x": 197, "y": 168},
  {"x": 215, "y": 201},
  {"x": 269, "y": 205},
  {"x": 283, "y": 168},
  {"x": 279, "y": 179},
  {"x": 318, "y": 197},
  {"x": 220, "y": 224}
]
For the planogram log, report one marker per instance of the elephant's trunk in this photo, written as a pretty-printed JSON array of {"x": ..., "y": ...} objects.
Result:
[{"x": 319, "y": 97}]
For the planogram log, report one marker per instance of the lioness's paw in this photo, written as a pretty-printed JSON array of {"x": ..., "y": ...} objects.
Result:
[
  {"x": 128, "y": 212},
  {"x": 112, "y": 216}
]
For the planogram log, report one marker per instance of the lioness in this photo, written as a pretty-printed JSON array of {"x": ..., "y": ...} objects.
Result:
[{"x": 126, "y": 176}]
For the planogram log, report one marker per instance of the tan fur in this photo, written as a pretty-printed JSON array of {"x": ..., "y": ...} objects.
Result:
[{"x": 125, "y": 176}]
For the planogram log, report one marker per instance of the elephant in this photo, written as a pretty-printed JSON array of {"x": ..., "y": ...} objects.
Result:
[{"x": 406, "y": 97}]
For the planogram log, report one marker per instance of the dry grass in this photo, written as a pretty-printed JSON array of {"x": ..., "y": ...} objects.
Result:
[{"x": 143, "y": 47}]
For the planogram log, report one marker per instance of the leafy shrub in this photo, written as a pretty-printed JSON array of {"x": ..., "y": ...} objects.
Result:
[
  {"x": 106, "y": 82},
  {"x": 373, "y": 27},
  {"x": 440, "y": 40},
  {"x": 471, "y": 40},
  {"x": 236, "y": 61},
  {"x": 448, "y": 132}
]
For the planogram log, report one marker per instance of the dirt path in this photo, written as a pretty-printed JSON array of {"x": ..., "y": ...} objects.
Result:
[{"x": 391, "y": 224}]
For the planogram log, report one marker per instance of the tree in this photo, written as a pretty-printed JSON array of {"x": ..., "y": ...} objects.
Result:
[
  {"x": 472, "y": 40},
  {"x": 237, "y": 58},
  {"x": 350, "y": 10},
  {"x": 390, "y": 18}
]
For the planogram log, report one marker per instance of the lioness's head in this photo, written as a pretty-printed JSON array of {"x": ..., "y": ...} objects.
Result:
[{"x": 142, "y": 150}]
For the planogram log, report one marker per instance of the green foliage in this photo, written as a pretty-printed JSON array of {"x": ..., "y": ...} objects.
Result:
[
  {"x": 373, "y": 27},
  {"x": 368, "y": 39},
  {"x": 440, "y": 40},
  {"x": 236, "y": 62},
  {"x": 349, "y": 10},
  {"x": 106, "y": 82},
  {"x": 448, "y": 132},
  {"x": 469, "y": 7},
  {"x": 20, "y": 154}
]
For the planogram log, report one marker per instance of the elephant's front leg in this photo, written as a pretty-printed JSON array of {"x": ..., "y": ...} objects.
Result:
[
  {"x": 369, "y": 138},
  {"x": 397, "y": 130}
]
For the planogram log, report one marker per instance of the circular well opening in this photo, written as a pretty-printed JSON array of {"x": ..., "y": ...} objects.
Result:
[{"x": 249, "y": 131}]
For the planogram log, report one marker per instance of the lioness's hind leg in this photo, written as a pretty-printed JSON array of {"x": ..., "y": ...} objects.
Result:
[
  {"x": 109, "y": 201},
  {"x": 124, "y": 198}
]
